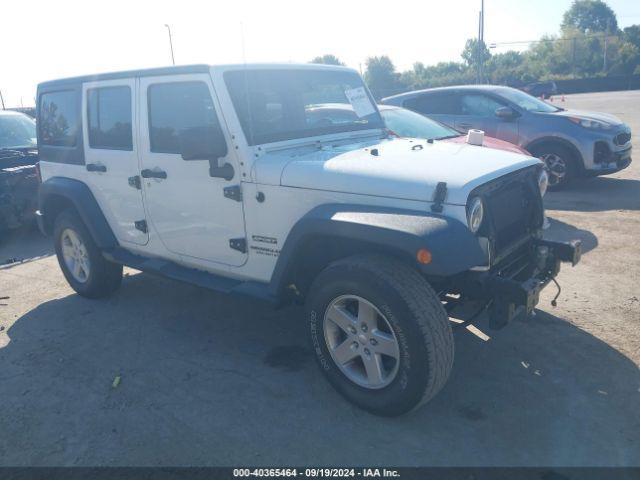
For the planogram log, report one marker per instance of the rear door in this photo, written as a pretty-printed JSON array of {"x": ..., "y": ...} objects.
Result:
[
  {"x": 186, "y": 206},
  {"x": 111, "y": 155},
  {"x": 441, "y": 106}
]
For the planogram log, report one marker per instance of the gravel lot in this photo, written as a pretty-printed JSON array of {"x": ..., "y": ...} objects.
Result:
[{"x": 212, "y": 380}]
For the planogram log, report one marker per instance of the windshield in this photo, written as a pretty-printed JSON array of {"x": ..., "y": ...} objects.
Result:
[
  {"x": 526, "y": 101},
  {"x": 17, "y": 131},
  {"x": 410, "y": 124},
  {"x": 277, "y": 105}
]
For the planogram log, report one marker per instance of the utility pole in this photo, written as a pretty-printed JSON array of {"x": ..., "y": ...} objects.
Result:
[
  {"x": 2, "y": 100},
  {"x": 606, "y": 41},
  {"x": 573, "y": 56},
  {"x": 479, "y": 49},
  {"x": 173, "y": 61}
]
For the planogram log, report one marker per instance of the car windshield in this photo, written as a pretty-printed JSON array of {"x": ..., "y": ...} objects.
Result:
[
  {"x": 286, "y": 104},
  {"x": 17, "y": 131},
  {"x": 410, "y": 124},
  {"x": 526, "y": 101}
]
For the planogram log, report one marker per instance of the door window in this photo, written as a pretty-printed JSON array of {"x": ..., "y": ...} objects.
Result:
[
  {"x": 109, "y": 118},
  {"x": 175, "y": 107},
  {"x": 442, "y": 104},
  {"x": 478, "y": 105}
]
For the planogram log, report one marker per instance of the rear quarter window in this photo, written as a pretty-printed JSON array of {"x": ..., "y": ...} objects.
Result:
[{"x": 58, "y": 118}]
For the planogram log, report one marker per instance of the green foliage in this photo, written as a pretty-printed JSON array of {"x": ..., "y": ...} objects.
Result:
[
  {"x": 475, "y": 51},
  {"x": 382, "y": 78},
  {"x": 589, "y": 16},
  {"x": 578, "y": 51},
  {"x": 327, "y": 59},
  {"x": 632, "y": 35}
]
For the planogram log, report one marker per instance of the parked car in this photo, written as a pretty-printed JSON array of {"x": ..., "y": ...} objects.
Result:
[
  {"x": 228, "y": 182},
  {"x": 572, "y": 143},
  {"x": 18, "y": 176},
  {"x": 29, "y": 111},
  {"x": 541, "y": 89},
  {"x": 406, "y": 123},
  {"x": 403, "y": 123}
]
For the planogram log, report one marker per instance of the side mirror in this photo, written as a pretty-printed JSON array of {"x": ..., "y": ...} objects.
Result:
[
  {"x": 506, "y": 113},
  {"x": 206, "y": 143}
]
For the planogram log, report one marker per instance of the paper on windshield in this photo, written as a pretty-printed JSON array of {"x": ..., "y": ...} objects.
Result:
[{"x": 360, "y": 101}]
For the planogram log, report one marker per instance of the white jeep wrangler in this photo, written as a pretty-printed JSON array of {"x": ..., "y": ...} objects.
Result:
[{"x": 236, "y": 179}]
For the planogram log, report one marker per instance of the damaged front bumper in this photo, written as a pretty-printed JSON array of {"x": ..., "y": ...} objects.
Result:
[{"x": 513, "y": 287}]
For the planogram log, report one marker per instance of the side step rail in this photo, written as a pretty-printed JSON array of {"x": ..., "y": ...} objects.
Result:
[{"x": 193, "y": 276}]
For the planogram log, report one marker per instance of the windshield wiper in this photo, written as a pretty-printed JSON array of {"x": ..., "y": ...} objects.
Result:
[{"x": 449, "y": 136}]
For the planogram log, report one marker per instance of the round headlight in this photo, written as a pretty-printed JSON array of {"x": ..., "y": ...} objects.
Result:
[
  {"x": 543, "y": 181},
  {"x": 475, "y": 214}
]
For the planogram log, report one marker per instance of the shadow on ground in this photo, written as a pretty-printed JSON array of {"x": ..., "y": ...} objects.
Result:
[
  {"x": 23, "y": 245},
  {"x": 564, "y": 232},
  {"x": 212, "y": 380},
  {"x": 596, "y": 195}
]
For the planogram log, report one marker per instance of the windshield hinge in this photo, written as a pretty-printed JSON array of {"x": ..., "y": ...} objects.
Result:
[
  {"x": 234, "y": 193},
  {"x": 141, "y": 225},
  {"x": 438, "y": 197}
]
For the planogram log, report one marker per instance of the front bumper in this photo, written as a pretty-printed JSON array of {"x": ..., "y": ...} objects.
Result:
[
  {"x": 510, "y": 294},
  {"x": 612, "y": 162}
]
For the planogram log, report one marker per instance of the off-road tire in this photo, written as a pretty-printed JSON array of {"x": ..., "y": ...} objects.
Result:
[
  {"x": 416, "y": 315},
  {"x": 104, "y": 277}
]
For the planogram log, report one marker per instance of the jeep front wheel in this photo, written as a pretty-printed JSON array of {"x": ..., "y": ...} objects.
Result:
[
  {"x": 379, "y": 333},
  {"x": 80, "y": 259}
]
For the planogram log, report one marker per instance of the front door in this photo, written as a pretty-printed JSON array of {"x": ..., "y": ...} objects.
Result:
[
  {"x": 185, "y": 205},
  {"x": 478, "y": 110},
  {"x": 111, "y": 155}
]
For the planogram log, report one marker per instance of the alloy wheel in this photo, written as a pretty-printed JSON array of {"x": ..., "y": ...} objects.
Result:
[
  {"x": 75, "y": 255},
  {"x": 556, "y": 166},
  {"x": 361, "y": 342}
]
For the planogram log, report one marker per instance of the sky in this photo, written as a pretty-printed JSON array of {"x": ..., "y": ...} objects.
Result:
[{"x": 43, "y": 40}]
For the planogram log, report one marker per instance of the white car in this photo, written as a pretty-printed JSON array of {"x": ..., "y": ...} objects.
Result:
[{"x": 222, "y": 177}]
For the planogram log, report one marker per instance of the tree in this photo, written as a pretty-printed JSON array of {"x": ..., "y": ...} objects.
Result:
[
  {"x": 381, "y": 77},
  {"x": 589, "y": 16},
  {"x": 475, "y": 52},
  {"x": 632, "y": 35},
  {"x": 328, "y": 59}
]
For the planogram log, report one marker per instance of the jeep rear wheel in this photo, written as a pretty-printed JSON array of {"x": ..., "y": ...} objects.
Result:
[
  {"x": 80, "y": 259},
  {"x": 380, "y": 333}
]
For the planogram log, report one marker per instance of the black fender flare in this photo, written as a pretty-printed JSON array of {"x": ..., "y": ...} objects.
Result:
[
  {"x": 79, "y": 195},
  {"x": 454, "y": 249}
]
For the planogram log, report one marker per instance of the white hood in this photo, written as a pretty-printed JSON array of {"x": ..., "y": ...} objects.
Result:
[{"x": 399, "y": 170}]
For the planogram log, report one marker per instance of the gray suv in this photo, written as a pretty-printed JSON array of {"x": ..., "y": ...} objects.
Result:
[{"x": 572, "y": 143}]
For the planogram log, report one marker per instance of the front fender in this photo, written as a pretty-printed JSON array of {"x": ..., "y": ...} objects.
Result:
[{"x": 453, "y": 247}]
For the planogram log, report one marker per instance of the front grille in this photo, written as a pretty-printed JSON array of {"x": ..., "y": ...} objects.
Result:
[
  {"x": 622, "y": 138},
  {"x": 514, "y": 209}
]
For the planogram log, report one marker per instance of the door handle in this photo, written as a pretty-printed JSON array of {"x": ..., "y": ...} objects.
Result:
[
  {"x": 96, "y": 167},
  {"x": 147, "y": 173}
]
